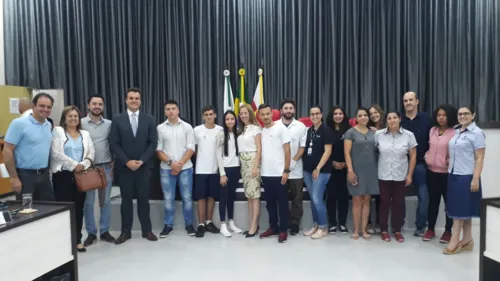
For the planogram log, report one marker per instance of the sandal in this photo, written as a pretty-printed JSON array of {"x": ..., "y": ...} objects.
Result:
[
  {"x": 455, "y": 251},
  {"x": 469, "y": 246},
  {"x": 355, "y": 236},
  {"x": 367, "y": 237}
]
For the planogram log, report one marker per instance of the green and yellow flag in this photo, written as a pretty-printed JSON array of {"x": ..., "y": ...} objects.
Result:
[{"x": 243, "y": 97}]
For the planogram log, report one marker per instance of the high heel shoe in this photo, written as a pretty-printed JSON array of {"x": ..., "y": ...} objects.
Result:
[
  {"x": 469, "y": 246},
  {"x": 250, "y": 235},
  {"x": 458, "y": 249}
]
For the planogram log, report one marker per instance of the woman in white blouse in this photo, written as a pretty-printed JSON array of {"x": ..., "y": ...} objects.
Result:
[
  {"x": 229, "y": 170},
  {"x": 249, "y": 145},
  {"x": 72, "y": 151}
]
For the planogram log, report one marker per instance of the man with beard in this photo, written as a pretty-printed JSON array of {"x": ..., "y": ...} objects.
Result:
[
  {"x": 99, "y": 128},
  {"x": 27, "y": 149},
  {"x": 275, "y": 168},
  {"x": 295, "y": 184}
]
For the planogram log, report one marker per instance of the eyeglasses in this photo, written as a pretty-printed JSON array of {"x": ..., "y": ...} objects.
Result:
[
  {"x": 464, "y": 113},
  {"x": 315, "y": 114}
]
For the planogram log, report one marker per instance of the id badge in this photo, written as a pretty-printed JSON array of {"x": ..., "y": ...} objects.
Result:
[{"x": 309, "y": 151}]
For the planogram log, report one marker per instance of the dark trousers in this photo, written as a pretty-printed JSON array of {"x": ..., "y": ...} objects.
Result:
[
  {"x": 135, "y": 184},
  {"x": 65, "y": 190},
  {"x": 437, "y": 183},
  {"x": 392, "y": 196},
  {"x": 276, "y": 196},
  {"x": 296, "y": 189},
  {"x": 228, "y": 193},
  {"x": 377, "y": 210},
  {"x": 337, "y": 197},
  {"x": 38, "y": 185}
]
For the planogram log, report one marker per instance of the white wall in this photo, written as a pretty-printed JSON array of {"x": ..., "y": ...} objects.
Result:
[
  {"x": 2, "y": 56},
  {"x": 491, "y": 169},
  {"x": 58, "y": 107}
]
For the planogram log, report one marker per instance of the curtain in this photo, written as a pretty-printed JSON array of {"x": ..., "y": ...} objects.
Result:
[{"x": 327, "y": 52}]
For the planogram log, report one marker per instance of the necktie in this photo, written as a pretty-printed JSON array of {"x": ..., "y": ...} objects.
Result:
[{"x": 134, "y": 123}]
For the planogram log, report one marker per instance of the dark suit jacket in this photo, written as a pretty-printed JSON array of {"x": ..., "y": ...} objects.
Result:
[{"x": 126, "y": 147}]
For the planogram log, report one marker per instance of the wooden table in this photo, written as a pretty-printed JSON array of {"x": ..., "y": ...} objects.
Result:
[{"x": 4, "y": 183}]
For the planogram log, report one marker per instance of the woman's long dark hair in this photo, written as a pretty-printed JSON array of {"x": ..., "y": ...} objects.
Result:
[
  {"x": 451, "y": 115},
  {"x": 227, "y": 133},
  {"x": 343, "y": 126}
]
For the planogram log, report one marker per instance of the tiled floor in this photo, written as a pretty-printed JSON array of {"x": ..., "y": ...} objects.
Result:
[{"x": 336, "y": 257}]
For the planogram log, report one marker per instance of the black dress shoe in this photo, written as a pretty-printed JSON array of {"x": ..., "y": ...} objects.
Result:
[
  {"x": 150, "y": 236},
  {"x": 123, "y": 238},
  {"x": 212, "y": 228},
  {"x": 91, "y": 239},
  {"x": 294, "y": 230},
  {"x": 107, "y": 237},
  {"x": 81, "y": 248}
]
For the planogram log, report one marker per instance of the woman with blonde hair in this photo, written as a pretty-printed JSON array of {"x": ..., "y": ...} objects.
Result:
[{"x": 249, "y": 146}]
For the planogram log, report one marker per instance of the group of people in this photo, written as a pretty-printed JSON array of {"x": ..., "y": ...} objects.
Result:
[{"x": 382, "y": 154}]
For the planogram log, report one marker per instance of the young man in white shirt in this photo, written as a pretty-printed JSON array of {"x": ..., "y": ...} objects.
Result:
[
  {"x": 206, "y": 188},
  {"x": 295, "y": 183},
  {"x": 275, "y": 169},
  {"x": 175, "y": 148}
]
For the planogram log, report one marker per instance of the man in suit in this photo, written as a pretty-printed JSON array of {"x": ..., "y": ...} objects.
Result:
[{"x": 133, "y": 142}]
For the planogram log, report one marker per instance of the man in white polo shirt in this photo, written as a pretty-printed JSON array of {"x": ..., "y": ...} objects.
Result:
[
  {"x": 206, "y": 188},
  {"x": 175, "y": 148},
  {"x": 295, "y": 183},
  {"x": 275, "y": 169}
]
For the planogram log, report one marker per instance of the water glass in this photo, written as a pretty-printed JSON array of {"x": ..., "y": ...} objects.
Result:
[{"x": 27, "y": 201}]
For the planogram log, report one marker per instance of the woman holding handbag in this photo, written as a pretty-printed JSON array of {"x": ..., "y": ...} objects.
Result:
[{"x": 72, "y": 152}]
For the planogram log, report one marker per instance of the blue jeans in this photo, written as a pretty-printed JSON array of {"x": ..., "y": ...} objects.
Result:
[
  {"x": 88, "y": 209},
  {"x": 420, "y": 181},
  {"x": 168, "y": 184},
  {"x": 316, "y": 189}
]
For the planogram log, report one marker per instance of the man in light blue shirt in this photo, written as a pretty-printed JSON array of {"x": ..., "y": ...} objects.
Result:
[{"x": 27, "y": 149}]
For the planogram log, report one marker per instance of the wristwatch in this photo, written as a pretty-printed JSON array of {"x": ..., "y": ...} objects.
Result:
[
  {"x": 169, "y": 162},
  {"x": 286, "y": 171}
]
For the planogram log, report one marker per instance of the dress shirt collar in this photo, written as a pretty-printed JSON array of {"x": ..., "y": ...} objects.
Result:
[
  {"x": 386, "y": 130},
  {"x": 130, "y": 113}
]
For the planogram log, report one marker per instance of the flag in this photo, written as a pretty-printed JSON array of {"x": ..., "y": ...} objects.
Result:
[
  {"x": 258, "y": 97},
  {"x": 228, "y": 93},
  {"x": 242, "y": 97}
]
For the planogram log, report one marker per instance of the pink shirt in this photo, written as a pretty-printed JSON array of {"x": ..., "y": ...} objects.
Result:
[{"x": 437, "y": 156}]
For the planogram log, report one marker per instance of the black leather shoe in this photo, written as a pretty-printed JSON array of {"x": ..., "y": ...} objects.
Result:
[
  {"x": 91, "y": 239},
  {"x": 107, "y": 237},
  {"x": 123, "y": 238},
  {"x": 294, "y": 230},
  {"x": 150, "y": 236}
]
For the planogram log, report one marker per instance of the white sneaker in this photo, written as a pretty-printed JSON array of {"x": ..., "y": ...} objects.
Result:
[
  {"x": 233, "y": 227},
  {"x": 224, "y": 231},
  {"x": 311, "y": 231}
]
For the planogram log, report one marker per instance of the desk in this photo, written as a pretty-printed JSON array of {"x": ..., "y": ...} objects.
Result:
[
  {"x": 489, "y": 264},
  {"x": 5, "y": 187},
  {"x": 38, "y": 243}
]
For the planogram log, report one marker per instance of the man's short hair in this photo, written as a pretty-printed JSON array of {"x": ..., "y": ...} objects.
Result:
[
  {"x": 285, "y": 101},
  {"x": 171, "y": 102},
  {"x": 97, "y": 96},
  {"x": 42, "y": 95},
  {"x": 264, "y": 106},
  {"x": 133, "y": 89},
  {"x": 207, "y": 108}
]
